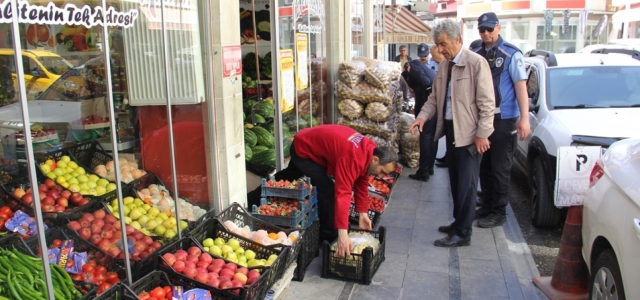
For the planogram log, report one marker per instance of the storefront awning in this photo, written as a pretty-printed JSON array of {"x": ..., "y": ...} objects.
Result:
[{"x": 403, "y": 27}]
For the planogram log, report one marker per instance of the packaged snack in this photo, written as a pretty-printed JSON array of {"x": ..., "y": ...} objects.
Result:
[
  {"x": 22, "y": 224},
  {"x": 199, "y": 294}
]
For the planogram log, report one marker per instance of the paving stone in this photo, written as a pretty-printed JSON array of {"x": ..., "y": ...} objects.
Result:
[
  {"x": 365, "y": 292},
  {"x": 425, "y": 285},
  {"x": 482, "y": 277},
  {"x": 433, "y": 210},
  {"x": 479, "y": 250},
  {"x": 435, "y": 192},
  {"x": 428, "y": 258},
  {"x": 391, "y": 271},
  {"x": 398, "y": 239},
  {"x": 479, "y": 267},
  {"x": 398, "y": 217}
]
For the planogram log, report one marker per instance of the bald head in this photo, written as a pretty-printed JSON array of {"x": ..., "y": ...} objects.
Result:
[{"x": 435, "y": 54}]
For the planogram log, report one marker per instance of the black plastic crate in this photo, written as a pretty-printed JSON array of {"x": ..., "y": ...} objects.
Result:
[
  {"x": 241, "y": 218},
  {"x": 11, "y": 169},
  {"x": 361, "y": 268},
  {"x": 301, "y": 220},
  {"x": 301, "y": 192},
  {"x": 374, "y": 216},
  {"x": 257, "y": 290},
  {"x": 147, "y": 283},
  {"x": 212, "y": 228},
  {"x": 118, "y": 291},
  {"x": 309, "y": 250}
]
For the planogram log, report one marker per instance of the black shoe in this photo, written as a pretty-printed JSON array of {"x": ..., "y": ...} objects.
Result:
[
  {"x": 441, "y": 159},
  {"x": 441, "y": 165},
  {"x": 445, "y": 228},
  {"x": 452, "y": 241},
  {"x": 482, "y": 213},
  {"x": 430, "y": 172},
  {"x": 419, "y": 177},
  {"x": 480, "y": 202},
  {"x": 493, "y": 220},
  {"x": 480, "y": 194}
]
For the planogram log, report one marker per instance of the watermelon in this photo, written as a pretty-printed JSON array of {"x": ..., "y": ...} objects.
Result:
[
  {"x": 265, "y": 109},
  {"x": 286, "y": 144},
  {"x": 250, "y": 138},
  {"x": 264, "y": 137},
  {"x": 257, "y": 149},
  {"x": 248, "y": 104},
  {"x": 271, "y": 129},
  {"x": 247, "y": 152},
  {"x": 264, "y": 158},
  {"x": 259, "y": 119}
]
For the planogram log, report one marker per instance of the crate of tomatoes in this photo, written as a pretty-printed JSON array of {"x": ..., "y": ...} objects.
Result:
[{"x": 376, "y": 208}]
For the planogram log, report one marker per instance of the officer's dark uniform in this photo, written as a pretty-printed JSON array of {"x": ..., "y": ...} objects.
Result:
[{"x": 507, "y": 68}]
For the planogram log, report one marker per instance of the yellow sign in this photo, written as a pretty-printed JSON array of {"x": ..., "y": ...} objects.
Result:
[
  {"x": 287, "y": 80},
  {"x": 302, "y": 76}
]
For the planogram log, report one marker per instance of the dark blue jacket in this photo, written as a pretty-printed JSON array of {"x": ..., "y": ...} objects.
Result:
[{"x": 420, "y": 79}]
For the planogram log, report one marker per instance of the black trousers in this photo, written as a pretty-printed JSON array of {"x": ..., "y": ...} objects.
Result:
[
  {"x": 463, "y": 178},
  {"x": 428, "y": 147},
  {"x": 495, "y": 168},
  {"x": 321, "y": 181}
]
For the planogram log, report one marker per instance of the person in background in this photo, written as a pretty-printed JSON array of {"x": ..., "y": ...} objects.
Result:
[
  {"x": 463, "y": 101},
  {"x": 421, "y": 78},
  {"x": 403, "y": 57},
  {"x": 434, "y": 59},
  {"x": 349, "y": 157},
  {"x": 511, "y": 118}
]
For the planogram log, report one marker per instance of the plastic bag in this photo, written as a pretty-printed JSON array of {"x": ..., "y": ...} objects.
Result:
[
  {"x": 411, "y": 150},
  {"x": 378, "y": 112},
  {"x": 351, "y": 72},
  {"x": 350, "y": 108},
  {"x": 360, "y": 241}
]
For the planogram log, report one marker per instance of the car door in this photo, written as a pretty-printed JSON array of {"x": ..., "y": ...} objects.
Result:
[
  {"x": 631, "y": 245},
  {"x": 533, "y": 91}
]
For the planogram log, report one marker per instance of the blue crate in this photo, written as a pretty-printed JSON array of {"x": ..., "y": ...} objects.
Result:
[
  {"x": 302, "y": 220},
  {"x": 298, "y": 193}
]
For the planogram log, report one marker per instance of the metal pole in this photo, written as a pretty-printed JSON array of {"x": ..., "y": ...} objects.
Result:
[
  {"x": 277, "y": 93},
  {"x": 42, "y": 241},
  {"x": 255, "y": 45},
  {"x": 172, "y": 149},
  {"x": 114, "y": 138}
]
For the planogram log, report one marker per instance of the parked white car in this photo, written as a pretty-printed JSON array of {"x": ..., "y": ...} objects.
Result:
[
  {"x": 611, "y": 223},
  {"x": 575, "y": 100}
]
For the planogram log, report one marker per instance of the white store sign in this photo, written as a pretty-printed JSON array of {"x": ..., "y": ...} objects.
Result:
[{"x": 573, "y": 170}]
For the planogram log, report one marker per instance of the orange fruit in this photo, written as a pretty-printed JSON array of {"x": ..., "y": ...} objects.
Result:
[{"x": 273, "y": 236}]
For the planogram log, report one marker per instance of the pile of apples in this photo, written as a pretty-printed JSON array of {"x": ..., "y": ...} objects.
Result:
[
  {"x": 147, "y": 218},
  {"x": 68, "y": 174},
  {"x": 103, "y": 230},
  {"x": 232, "y": 251},
  {"x": 53, "y": 198},
  {"x": 217, "y": 273}
]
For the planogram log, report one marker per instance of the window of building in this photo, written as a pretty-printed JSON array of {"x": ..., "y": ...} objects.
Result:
[
  {"x": 520, "y": 35},
  {"x": 556, "y": 40}
]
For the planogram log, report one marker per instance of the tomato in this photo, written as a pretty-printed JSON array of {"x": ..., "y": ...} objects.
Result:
[
  {"x": 112, "y": 277},
  {"x": 100, "y": 269},
  {"x": 56, "y": 243},
  {"x": 77, "y": 277},
  {"x": 2, "y": 221},
  {"x": 168, "y": 292},
  {"x": 144, "y": 296},
  {"x": 158, "y": 293},
  {"x": 99, "y": 278},
  {"x": 103, "y": 287},
  {"x": 87, "y": 268},
  {"x": 87, "y": 277},
  {"x": 4, "y": 216},
  {"x": 6, "y": 210}
]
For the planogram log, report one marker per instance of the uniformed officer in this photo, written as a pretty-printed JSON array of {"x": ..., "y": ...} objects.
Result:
[{"x": 511, "y": 118}]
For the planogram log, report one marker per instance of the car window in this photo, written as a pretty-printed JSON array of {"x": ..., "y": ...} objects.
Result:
[
  {"x": 55, "y": 64},
  {"x": 29, "y": 65},
  {"x": 74, "y": 85},
  {"x": 584, "y": 87},
  {"x": 532, "y": 83},
  {"x": 11, "y": 63}
]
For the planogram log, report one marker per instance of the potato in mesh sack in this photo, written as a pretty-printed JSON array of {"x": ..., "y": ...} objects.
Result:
[
  {"x": 351, "y": 72},
  {"x": 368, "y": 61},
  {"x": 366, "y": 126},
  {"x": 404, "y": 122},
  {"x": 410, "y": 150},
  {"x": 382, "y": 74},
  {"x": 384, "y": 142},
  {"x": 364, "y": 93},
  {"x": 378, "y": 112},
  {"x": 351, "y": 109}
]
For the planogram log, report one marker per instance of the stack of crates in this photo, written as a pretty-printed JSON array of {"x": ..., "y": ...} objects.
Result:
[{"x": 304, "y": 197}]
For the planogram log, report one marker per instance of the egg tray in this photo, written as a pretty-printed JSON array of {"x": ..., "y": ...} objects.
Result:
[
  {"x": 239, "y": 216},
  {"x": 374, "y": 216},
  {"x": 255, "y": 291},
  {"x": 212, "y": 228},
  {"x": 303, "y": 219},
  {"x": 361, "y": 267}
]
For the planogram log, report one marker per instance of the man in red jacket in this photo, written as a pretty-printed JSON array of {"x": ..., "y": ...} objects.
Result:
[{"x": 348, "y": 156}]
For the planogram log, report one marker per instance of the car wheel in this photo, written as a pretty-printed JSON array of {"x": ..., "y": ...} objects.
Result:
[
  {"x": 543, "y": 213},
  {"x": 606, "y": 281}
]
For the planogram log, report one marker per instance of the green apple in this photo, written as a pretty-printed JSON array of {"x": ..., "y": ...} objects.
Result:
[
  {"x": 58, "y": 171},
  {"x": 183, "y": 224},
  {"x": 82, "y": 178},
  {"x": 100, "y": 190},
  {"x": 102, "y": 182},
  {"x": 51, "y": 175},
  {"x": 255, "y": 263},
  {"x": 49, "y": 162},
  {"x": 65, "y": 184},
  {"x": 146, "y": 207},
  {"x": 111, "y": 187},
  {"x": 153, "y": 211},
  {"x": 84, "y": 186},
  {"x": 143, "y": 220},
  {"x": 208, "y": 242},
  {"x": 127, "y": 200},
  {"x": 136, "y": 213},
  {"x": 272, "y": 257},
  {"x": 73, "y": 181},
  {"x": 138, "y": 202},
  {"x": 163, "y": 215},
  {"x": 170, "y": 233},
  {"x": 136, "y": 225},
  {"x": 60, "y": 180},
  {"x": 233, "y": 243},
  {"x": 45, "y": 168},
  {"x": 152, "y": 224},
  {"x": 206, "y": 249},
  {"x": 127, "y": 220},
  {"x": 69, "y": 169},
  {"x": 74, "y": 187},
  {"x": 65, "y": 158},
  {"x": 145, "y": 231},
  {"x": 72, "y": 164},
  {"x": 61, "y": 164},
  {"x": 81, "y": 171},
  {"x": 243, "y": 258},
  {"x": 215, "y": 250},
  {"x": 219, "y": 242},
  {"x": 242, "y": 263},
  {"x": 126, "y": 210},
  {"x": 91, "y": 184},
  {"x": 239, "y": 250},
  {"x": 159, "y": 230},
  {"x": 249, "y": 254},
  {"x": 232, "y": 257},
  {"x": 93, "y": 177},
  {"x": 226, "y": 249}
]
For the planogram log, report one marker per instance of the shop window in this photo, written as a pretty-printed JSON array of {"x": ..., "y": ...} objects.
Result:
[
  {"x": 556, "y": 40},
  {"x": 520, "y": 35}
]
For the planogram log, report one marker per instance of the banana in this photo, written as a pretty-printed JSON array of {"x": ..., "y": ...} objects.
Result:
[{"x": 70, "y": 31}]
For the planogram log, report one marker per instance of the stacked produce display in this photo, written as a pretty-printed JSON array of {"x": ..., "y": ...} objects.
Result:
[{"x": 369, "y": 98}]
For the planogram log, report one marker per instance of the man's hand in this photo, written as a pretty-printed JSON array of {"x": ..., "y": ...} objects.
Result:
[
  {"x": 364, "y": 222},
  {"x": 482, "y": 144},
  {"x": 524, "y": 129},
  {"x": 417, "y": 123},
  {"x": 345, "y": 245}
]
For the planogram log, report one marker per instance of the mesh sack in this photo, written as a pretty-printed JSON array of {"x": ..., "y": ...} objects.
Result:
[
  {"x": 382, "y": 73},
  {"x": 364, "y": 93},
  {"x": 384, "y": 142},
  {"x": 404, "y": 122},
  {"x": 350, "y": 108},
  {"x": 365, "y": 126},
  {"x": 410, "y": 150},
  {"x": 351, "y": 72},
  {"x": 378, "y": 112}
]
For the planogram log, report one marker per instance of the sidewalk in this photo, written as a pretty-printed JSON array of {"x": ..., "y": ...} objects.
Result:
[{"x": 497, "y": 265}]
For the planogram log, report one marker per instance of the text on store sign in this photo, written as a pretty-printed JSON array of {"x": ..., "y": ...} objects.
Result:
[{"x": 69, "y": 15}]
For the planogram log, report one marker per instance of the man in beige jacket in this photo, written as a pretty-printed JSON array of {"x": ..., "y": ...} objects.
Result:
[{"x": 464, "y": 100}]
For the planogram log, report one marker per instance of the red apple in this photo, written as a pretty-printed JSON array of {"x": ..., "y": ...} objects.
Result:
[
  {"x": 225, "y": 284},
  {"x": 231, "y": 266},
  {"x": 214, "y": 282},
  {"x": 48, "y": 201},
  {"x": 178, "y": 266},
  {"x": 117, "y": 235},
  {"x": 62, "y": 201},
  {"x": 202, "y": 277},
  {"x": 143, "y": 255},
  {"x": 58, "y": 188},
  {"x": 206, "y": 257},
  {"x": 108, "y": 227},
  {"x": 99, "y": 214},
  {"x": 65, "y": 193},
  {"x": 189, "y": 264},
  {"x": 219, "y": 262},
  {"x": 42, "y": 195},
  {"x": 129, "y": 229},
  {"x": 237, "y": 283},
  {"x": 49, "y": 183},
  {"x": 85, "y": 233},
  {"x": 240, "y": 276},
  {"x": 110, "y": 219},
  {"x": 116, "y": 225},
  {"x": 243, "y": 270},
  {"x": 53, "y": 194},
  {"x": 83, "y": 202},
  {"x": 98, "y": 222},
  {"x": 137, "y": 235},
  {"x": 95, "y": 239},
  {"x": 214, "y": 268},
  {"x": 156, "y": 245},
  {"x": 253, "y": 276},
  {"x": 189, "y": 272},
  {"x": 48, "y": 208},
  {"x": 74, "y": 225},
  {"x": 75, "y": 197},
  {"x": 202, "y": 270},
  {"x": 114, "y": 251},
  {"x": 169, "y": 258},
  {"x": 181, "y": 255},
  {"x": 202, "y": 264},
  {"x": 27, "y": 198},
  {"x": 139, "y": 246},
  {"x": 88, "y": 216},
  {"x": 227, "y": 272},
  {"x": 194, "y": 251},
  {"x": 43, "y": 188},
  {"x": 147, "y": 240},
  {"x": 95, "y": 228},
  {"x": 104, "y": 245},
  {"x": 213, "y": 275},
  {"x": 107, "y": 234},
  {"x": 58, "y": 208},
  {"x": 192, "y": 258}
]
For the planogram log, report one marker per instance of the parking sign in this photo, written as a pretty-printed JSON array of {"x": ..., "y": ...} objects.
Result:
[{"x": 572, "y": 173}]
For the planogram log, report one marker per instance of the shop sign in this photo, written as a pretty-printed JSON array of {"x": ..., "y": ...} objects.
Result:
[
  {"x": 395, "y": 38},
  {"x": 287, "y": 80},
  {"x": 231, "y": 60},
  {"x": 302, "y": 75},
  {"x": 574, "y": 168},
  {"x": 304, "y": 28},
  {"x": 87, "y": 16}
]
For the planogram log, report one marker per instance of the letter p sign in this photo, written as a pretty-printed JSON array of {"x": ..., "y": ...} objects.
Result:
[{"x": 581, "y": 159}]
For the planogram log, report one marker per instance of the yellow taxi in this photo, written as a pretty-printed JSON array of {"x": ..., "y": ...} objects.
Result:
[{"x": 41, "y": 69}]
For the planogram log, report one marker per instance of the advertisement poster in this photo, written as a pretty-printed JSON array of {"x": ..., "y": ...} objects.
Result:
[
  {"x": 287, "y": 80},
  {"x": 574, "y": 168},
  {"x": 302, "y": 74},
  {"x": 231, "y": 60}
]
